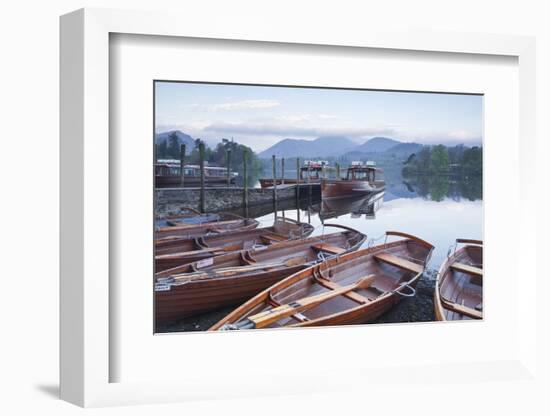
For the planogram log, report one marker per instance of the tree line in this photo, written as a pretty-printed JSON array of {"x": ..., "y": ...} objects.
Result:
[{"x": 440, "y": 159}]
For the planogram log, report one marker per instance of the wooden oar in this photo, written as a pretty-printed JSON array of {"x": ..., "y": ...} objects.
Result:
[
  {"x": 464, "y": 310},
  {"x": 184, "y": 254},
  {"x": 293, "y": 261},
  {"x": 263, "y": 319},
  {"x": 228, "y": 271}
]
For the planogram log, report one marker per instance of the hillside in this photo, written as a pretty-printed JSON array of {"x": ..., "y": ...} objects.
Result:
[
  {"x": 376, "y": 144},
  {"x": 320, "y": 147},
  {"x": 182, "y": 138},
  {"x": 334, "y": 146}
]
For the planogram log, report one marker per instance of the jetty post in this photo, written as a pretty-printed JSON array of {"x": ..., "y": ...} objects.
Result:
[
  {"x": 201, "y": 156},
  {"x": 298, "y": 189},
  {"x": 228, "y": 166},
  {"x": 282, "y": 171},
  {"x": 245, "y": 182},
  {"x": 338, "y": 171},
  {"x": 273, "y": 165},
  {"x": 182, "y": 164},
  {"x": 308, "y": 180}
]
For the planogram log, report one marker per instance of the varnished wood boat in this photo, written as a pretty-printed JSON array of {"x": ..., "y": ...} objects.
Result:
[
  {"x": 236, "y": 223},
  {"x": 232, "y": 278},
  {"x": 190, "y": 216},
  {"x": 177, "y": 251},
  {"x": 459, "y": 287},
  {"x": 391, "y": 270},
  {"x": 360, "y": 180},
  {"x": 309, "y": 173},
  {"x": 168, "y": 175}
]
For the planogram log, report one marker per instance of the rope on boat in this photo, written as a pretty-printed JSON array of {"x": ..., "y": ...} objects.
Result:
[
  {"x": 406, "y": 295},
  {"x": 371, "y": 242}
]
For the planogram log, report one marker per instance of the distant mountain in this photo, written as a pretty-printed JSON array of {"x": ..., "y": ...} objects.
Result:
[
  {"x": 320, "y": 147},
  {"x": 182, "y": 138},
  {"x": 376, "y": 145},
  {"x": 380, "y": 148},
  {"x": 405, "y": 148}
]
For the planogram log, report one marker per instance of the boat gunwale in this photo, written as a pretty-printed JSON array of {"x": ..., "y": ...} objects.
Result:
[
  {"x": 439, "y": 309},
  {"x": 286, "y": 244},
  {"x": 309, "y": 273}
]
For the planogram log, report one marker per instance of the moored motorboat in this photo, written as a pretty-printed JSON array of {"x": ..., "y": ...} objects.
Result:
[
  {"x": 168, "y": 175},
  {"x": 356, "y": 288},
  {"x": 459, "y": 287},
  {"x": 172, "y": 252},
  {"x": 360, "y": 180},
  {"x": 310, "y": 173},
  {"x": 232, "y": 278}
]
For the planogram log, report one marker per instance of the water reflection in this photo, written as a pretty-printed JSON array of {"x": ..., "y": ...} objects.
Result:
[
  {"x": 438, "y": 188},
  {"x": 438, "y": 210},
  {"x": 357, "y": 207}
]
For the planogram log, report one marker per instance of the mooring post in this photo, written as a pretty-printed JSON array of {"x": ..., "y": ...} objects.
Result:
[
  {"x": 182, "y": 164},
  {"x": 228, "y": 165},
  {"x": 273, "y": 165},
  {"x": 308, "y": 179},
  {"x": 338, "y": 171},
  {"x": 283, "y": 171},
  {"x": 201, "y": 156},
  {"x": 298, "y": 189},
  {"x": 245, "y": 182}
]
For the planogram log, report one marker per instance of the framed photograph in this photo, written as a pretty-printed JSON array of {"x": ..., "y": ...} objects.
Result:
[{"x": 321, "y": 214}]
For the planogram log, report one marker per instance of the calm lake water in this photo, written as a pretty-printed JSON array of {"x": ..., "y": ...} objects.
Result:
[{"x": 438, "y": 211}]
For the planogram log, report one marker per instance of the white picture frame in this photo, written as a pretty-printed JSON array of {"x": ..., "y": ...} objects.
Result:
[{"x": 86, "y": 355}]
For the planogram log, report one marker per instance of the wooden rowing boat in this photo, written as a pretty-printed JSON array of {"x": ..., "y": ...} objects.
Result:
[
  {"x": 232, "y": 278},
  {"x": 184, "y": 230},
  {"x": 392, "y": 268},
  {"x": 177, "y": 251},
  {"x": 459, "y": 287},
  {"x": 190, "y": 216}
]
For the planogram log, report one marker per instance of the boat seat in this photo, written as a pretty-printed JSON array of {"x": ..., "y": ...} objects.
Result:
[
  {"x": 350, "y": 295},
  {"x": 328, "y": 248},
  {"x": 399, "y": 262},
  {"x": 272, "y": 238},
  {"x": 466, "y": 268}
]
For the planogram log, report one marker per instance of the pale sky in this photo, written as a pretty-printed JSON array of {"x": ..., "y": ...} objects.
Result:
[{"x": 259, "y": 116}]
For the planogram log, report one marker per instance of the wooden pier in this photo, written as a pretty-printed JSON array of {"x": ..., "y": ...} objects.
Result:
[{"x": 216, "y": 199}]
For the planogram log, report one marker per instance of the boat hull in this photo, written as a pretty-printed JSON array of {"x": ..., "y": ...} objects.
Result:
[
  {"x": 199, "y": 230},
  {"x": 175, "y": 252},
  {"x": 190, "y": 181},
  {"x": 341, "y": 188},
  {"x": 458, "y": 287},
  {"x": 359, "y": 307},
  {"x": 190, "y": 297}
]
